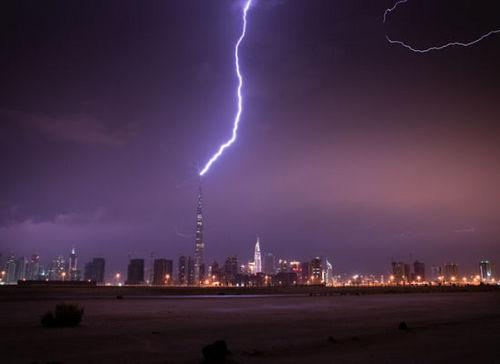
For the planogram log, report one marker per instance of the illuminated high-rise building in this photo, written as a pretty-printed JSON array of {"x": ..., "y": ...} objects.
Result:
[
  {"x": 450, "y": 272},
  {"x": 10, "y": 270},
  {"x": 190, "y": 270},
  {"x": 436, "y": 272},
  {"x": 328, "y": 272},
  {"x": 305, "y": 272},
  {"x": 135, "y": 272},
  {"x": 74, "y": 275},
  {"x": 401, "y": 272},
  {"x": 485, "y": 270},
  {"x": 419, "y": 271},
  {"x": 162, "y": 272},
  {"x": 214, "y": 271},
  {"x": 257, "y": 258},
  {"x": 21, "y": 265},
  {"x": 185, "y": 274},
  {"x": 182, "y": 273},
  {"x": 269, "y": 266},
  {"x": 33, "y": 268},
  {"x": 57, "y": 270},
  {"x": 199, "y": 248},
  {"x": 231, "y": 270},
  {"x": 94, "y": 270},
  {"x": 316, "y": 270},
  {"x": 283, "y": 265}
]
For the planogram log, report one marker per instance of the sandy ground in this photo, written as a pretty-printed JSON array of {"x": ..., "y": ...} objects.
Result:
[{"x": 444, "y": 328}]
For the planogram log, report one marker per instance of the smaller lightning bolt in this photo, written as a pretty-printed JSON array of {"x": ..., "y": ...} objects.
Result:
[
  {"x": 387, "y": 11},
  {"x": 433, "y": 48},
  {"x": 444, "y": 46},
  {"x": 240, "y": 101}
]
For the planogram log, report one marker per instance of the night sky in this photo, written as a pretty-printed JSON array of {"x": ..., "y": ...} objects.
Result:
[{"x": 349, "y": 147}]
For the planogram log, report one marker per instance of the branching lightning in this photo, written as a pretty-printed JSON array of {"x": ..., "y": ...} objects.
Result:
[
  {"x": 239, "y": 96},
  {"x": 396, "y": 4},
  {"x": 433, "y": 48}
]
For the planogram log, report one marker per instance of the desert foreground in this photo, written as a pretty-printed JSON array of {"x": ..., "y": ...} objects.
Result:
[{"x": 452, "y": 327}]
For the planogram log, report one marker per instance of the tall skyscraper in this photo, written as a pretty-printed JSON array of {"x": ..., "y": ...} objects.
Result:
[
  {"x": 182, "y": 273},
  {"x": 94, "y": 270},
  {"x": 190, "y": 272},
  {"x": 186, "y": 271},
  {"x": 231, "y": 270},
  {"x": 485, "y": 270},
  {"x": 257, "y": 258},
  {"x": 88, "y": 272},
  {"x": 305, "y": 271},
  {"x": 199, "y": 244},
  {"x": 436, "y": 272},
  {"x": 10, "y": 270},
  {"x": 269, "y": 264},
  {"x": 316, "y": 270},
  {"x": 215, "y": 271},
  {"x": 401, "y": 272},
  {"x": 419, "y": 271},
  {"x": 135, "y": 272},
  {"x": 162, "y": 272},
  {"x": 21, "y": 265},
  {"x": 99, "y": 269},
  {"x": 74, "y": 275},
  {"x": 33, "y": 269},
  {"x": 450, "y": 272},
  {"x": 283, "y": 265},
  {"x": 328, "y": 272},
  {"x": 57, "y": 270}
]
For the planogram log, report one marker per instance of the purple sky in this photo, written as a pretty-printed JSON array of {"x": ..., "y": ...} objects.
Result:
[{"x": 349, "y": 147}]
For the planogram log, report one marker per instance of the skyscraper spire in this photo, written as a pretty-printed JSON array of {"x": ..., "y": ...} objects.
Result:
[
  {"x": 257, "y": 257},
  {"x": 73, "y": 259},
  {"x": 199, "y": 244}
]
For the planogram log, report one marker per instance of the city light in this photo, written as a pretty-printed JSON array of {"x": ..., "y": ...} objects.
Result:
[{"x": 282, "y": 272}]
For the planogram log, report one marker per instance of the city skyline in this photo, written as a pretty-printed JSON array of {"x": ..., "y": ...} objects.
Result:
[{"x": 145, "y": 271}]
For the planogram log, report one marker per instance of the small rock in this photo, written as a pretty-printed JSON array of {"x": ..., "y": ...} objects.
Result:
[
  {"x": 403, "y": 326},
  {"x": 255, "y": 352},
  {"x": 216, "y": 352},
  {"x": 331, "y": 339}
]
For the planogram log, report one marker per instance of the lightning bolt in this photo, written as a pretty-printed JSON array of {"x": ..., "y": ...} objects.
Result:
[
  {"x": 433, "y": 48},
  {"x": 240, "y": 98}
]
